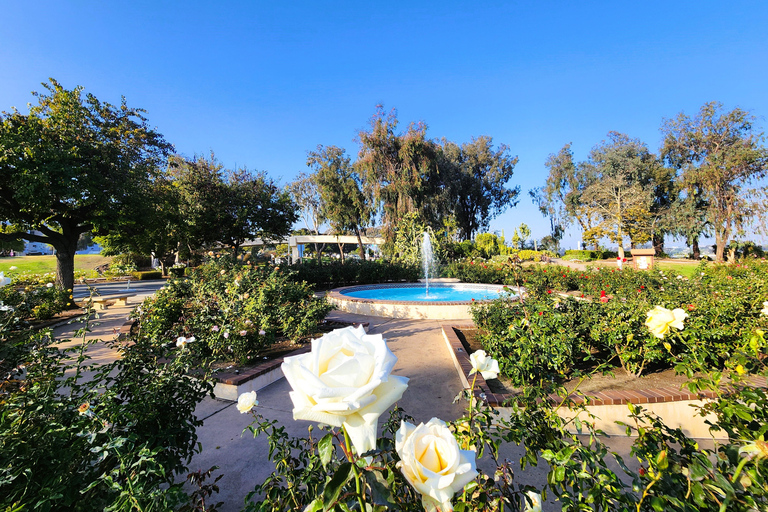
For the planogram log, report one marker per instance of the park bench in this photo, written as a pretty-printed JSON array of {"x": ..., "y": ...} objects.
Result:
[{"x": 100, "y": 301}]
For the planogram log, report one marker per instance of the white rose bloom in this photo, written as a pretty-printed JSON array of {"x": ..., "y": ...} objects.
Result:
[
  {"x": 4, "y": 280},
  {"x": 13, "y": 267},
  {"x": 246, "y": 402},
  {"x": 431, "y": 461},
  {"x": 49, "y": 285},
  {"x": 345, "y": 381},
  {"x": 764, "y": 311},
  {"x": 182, "y": 342},
  {"x": 487, "y": 366},
  {"x": 534, "y": 505}
]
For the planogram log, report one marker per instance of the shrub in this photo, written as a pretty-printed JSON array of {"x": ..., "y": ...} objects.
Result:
[
  {"x": 226, "y": 305},
  {"x": 147, "y": 275},
  {"x": 116, "y": 441}
]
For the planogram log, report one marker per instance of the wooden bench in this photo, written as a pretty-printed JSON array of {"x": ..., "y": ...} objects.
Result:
[{"x": 100, "y": 301}]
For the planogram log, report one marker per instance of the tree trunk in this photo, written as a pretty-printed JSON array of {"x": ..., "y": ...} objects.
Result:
[
  {"x": 341, "y": 252},
  {"x": 695, "y": 248},
  {"x": 720, "y": 248},
  {"x": 658, "y": 243},
  {"x": 360, "y": 244},
  {"x": 65, "y": 266},
  {"x": 163, "y": 270}
]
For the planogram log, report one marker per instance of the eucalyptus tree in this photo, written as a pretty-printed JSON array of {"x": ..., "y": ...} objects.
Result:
[
  {"x": 721, "y": 156},
  {"x": 476, "y": 178},
  {"x": 399, "y": 171},
  {"x": 342, "y": 200},
  {"x": 306, "y": 194},
  {"x": 561, "y": 197},
  {"x": 73, "y": 164}
]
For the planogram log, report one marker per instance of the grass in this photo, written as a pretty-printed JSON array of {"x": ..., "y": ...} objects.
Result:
[
  {"x": 683, "y": 268},
  {"x": 45, "y": 264}
]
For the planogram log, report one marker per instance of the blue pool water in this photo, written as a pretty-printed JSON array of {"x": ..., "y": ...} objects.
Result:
[{"x": 437, "y": 293}]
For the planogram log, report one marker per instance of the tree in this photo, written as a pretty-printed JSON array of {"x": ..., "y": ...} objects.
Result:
[
  {"x": 229, "y": 207},
  {"x": 399, "y": 171},
  {"x": 620, "y": 193},
  {"x": 561, "y": 197},
  {"x": 73, "y": 165},
  {"x": 342, "y": 200},
  {"x": 476, "y": 177},
  {"x": 153, "y": 228},
  {"x": 306, "y": 194},
  {"x": 721, "y": 155}
]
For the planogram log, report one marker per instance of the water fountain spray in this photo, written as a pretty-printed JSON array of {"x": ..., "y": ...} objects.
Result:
[{"x": 427, "y": 258}]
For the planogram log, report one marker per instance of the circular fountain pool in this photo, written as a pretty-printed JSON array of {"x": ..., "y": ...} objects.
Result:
[{"x": 444, "y": 300}]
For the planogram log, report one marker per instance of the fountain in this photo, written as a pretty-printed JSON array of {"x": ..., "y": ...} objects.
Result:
[
  {"x": 427, "y": 259},
  {"x": 431, "y": 299}
]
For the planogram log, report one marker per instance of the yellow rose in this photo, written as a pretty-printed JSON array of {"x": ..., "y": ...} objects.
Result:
[{"x": 661, "y": 319}]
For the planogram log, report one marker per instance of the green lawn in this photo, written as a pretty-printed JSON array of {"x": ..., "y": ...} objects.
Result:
[
  {"x": 45, "y": 264},
  {"x": 684, "y": 268}
]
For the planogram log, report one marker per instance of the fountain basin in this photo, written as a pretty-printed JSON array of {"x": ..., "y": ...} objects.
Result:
[{"x": 408, "y": 300}]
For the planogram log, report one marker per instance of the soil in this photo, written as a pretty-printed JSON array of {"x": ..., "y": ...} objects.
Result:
[{"x": 616, "y": 380}]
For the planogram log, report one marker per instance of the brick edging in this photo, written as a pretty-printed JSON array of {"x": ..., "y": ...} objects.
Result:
[{"x": 610, "y": 397}]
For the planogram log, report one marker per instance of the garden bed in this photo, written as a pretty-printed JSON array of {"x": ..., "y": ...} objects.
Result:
[{"x": 618, "y": 380}]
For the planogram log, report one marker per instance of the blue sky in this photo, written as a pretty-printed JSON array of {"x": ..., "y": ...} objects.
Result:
[{"x": 261, "y": 83}]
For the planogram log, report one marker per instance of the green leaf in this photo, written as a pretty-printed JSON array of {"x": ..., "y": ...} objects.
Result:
[
  {"x": 325, "y": 448},
  {"x": 381, "y": 494},
  {"x": 315, "y": 506},
  {"x": 336, "y": 484}
]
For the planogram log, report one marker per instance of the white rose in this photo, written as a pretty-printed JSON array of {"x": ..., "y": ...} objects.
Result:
[
  {"x": 246, "y": 402},
  {"x": 13, "y": 267},
  {"x": 764, "y": 311},
  {"x": 182, "y": 342},
  {"x": 488, "y": 367},
  {"x": 49, "y": 285},
  {"x": 345, "y": 381},
  {"x": 4, "y": 280},
  {"x": 534, "y": 505},
  {"x": 431, "y": 461}
]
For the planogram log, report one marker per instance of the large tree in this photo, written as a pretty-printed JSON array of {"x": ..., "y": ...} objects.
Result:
[
  {"x": 154, "y": 227},
  {"x": 222, "y": 207},
  {"x": 71, "y": 165},
  {"x": 721, "y": 155},
  {"x": 621, "y": 193},
  {"x": 342, "y": 200},
  {"x": 399, "y": 171},
  {"x": 475, "y": 178},
  {"x": 561, "y": 197}
]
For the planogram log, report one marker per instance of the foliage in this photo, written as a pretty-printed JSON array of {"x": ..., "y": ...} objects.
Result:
[
  {"x": 229, "y": 207},
  {"x": 73, "y": 165},
  {"x": 113, "y": 441},
  {"x": 342, "y": 201},
  {"x": 335, "y": 273},
  {"x": 147, "y": 275},
  {"x": 475, "y": 175},
  {"x": 232, "y": 309},
  {"x": 722, "y": 304},
  {"x": 674, "y": 471}
]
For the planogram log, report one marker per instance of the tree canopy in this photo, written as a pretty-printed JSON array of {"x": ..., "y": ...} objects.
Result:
[
  {"x": 73, "y": 165},
  {"x": 720, "y": 156}
]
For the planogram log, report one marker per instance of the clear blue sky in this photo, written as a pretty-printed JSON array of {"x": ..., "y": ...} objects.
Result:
[{"x": 261, "y": 83}]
